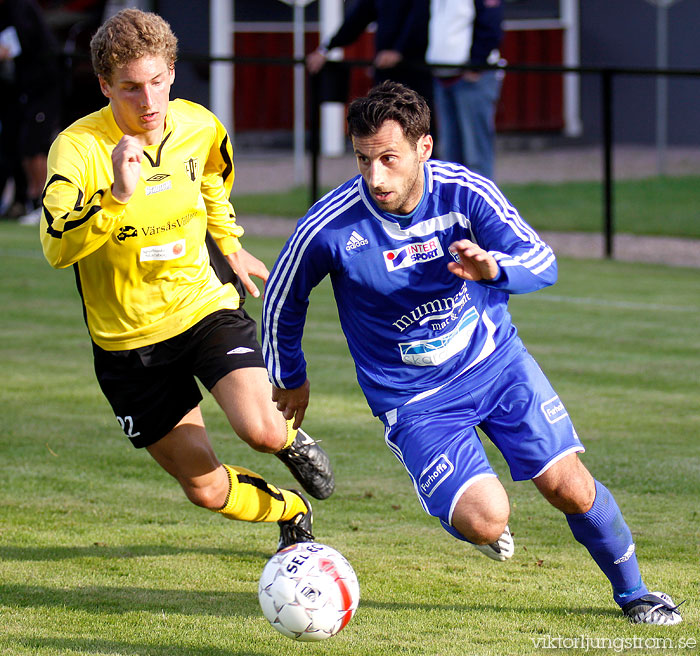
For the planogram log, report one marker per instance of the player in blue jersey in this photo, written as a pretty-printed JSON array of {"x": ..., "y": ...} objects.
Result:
[{"x": 423, "y": 256}]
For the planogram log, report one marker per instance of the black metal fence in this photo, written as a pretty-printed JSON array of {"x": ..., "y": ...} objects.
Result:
[{"x": 607, "y": 76}]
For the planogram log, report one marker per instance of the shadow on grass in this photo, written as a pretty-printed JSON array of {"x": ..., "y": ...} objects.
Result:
[
  {"x": 106, "y": 600},
  {"x": 131, "y": 551},
  {"x": 559, "y": 610},
  {"x": 62, "y": 646},
  {"x": 219, "y": 603}
]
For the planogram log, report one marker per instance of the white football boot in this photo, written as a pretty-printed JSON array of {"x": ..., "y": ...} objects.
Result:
[
  {"x": 501, "y": 549},
  {"x": 653, "y": 608}
]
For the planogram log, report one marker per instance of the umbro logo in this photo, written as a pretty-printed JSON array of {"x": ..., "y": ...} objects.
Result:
[
  {"x": 356, "y": 240},
  {"x": 239, "y": 350},
  {"x": 158, "y": 177}
]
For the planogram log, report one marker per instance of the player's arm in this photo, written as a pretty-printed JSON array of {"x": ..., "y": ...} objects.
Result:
[
  {"x": 292, "y": 403},
  {"x": 514, "y": 259},
  {"x": 216, "y": 186},
  {"x": 217, "y": 182},
  {"x": 359, "y": 15},
  {"x": 75, "y": 224},
  {"x": 488, "y": 30},
  {"x": 474, "y": 262},
  {"x": 413, "y": 29},
  {"x": 301, "y": 265}
]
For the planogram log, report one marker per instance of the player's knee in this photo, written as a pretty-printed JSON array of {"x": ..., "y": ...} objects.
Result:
[
  {"x": 482, "y": 512},
  {"x": 568, "y": 486},
  {"x": 570, "y": 501},
  {"x": 484, "y": 527},
  {"x": 204, "y": 497},
  {"x": 209, "y": 491},
  {"x": 265, "y": 435},
  {"x": 482, "y": 534}
]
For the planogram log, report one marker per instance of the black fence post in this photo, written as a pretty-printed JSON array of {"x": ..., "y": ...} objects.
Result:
[{"x": 609, "y": 224}]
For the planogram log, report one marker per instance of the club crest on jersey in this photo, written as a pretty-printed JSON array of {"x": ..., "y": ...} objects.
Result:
[
  {"x": 412, "y": 254},
  {"x": 192, "y": 167}
]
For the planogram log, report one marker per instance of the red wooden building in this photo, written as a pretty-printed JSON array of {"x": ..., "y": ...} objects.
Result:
[{"x": 530, "y": 102}]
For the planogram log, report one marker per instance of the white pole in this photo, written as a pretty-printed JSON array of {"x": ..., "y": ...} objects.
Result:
[
  {"x": 299, "y": 90},
  {"x": 221, "y": 73},
  {"x": 332, "y": 113},
  {"x": 569, "y": 10}
]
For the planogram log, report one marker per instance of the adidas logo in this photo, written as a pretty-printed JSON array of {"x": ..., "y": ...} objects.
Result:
[{"x": 356, "y": 240}]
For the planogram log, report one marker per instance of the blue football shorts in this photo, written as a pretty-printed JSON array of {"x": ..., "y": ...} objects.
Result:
[{"x": 438, "y": 444}]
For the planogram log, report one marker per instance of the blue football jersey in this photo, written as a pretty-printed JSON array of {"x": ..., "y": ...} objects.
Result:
[{"x": 411, "y": 325}]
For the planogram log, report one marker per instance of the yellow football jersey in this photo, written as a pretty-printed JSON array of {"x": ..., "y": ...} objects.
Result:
[{"x": 142, "y": 267}]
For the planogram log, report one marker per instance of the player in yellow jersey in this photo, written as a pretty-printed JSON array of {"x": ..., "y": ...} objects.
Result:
[{"x": 137, "y": 201}]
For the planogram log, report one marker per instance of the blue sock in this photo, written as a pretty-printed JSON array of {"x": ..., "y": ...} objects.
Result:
[{"x": 603, "y": 531}]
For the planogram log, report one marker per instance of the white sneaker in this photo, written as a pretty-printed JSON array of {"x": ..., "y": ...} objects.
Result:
[
  {"x": 501, "y": 549},
  {"x": 31, "y": 218}
]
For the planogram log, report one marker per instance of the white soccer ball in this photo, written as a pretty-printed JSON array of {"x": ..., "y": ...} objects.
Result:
[{"x": 308, "y": 591}]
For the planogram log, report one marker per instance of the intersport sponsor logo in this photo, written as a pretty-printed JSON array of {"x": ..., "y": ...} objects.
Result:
[{"x": 412, "y": 254}]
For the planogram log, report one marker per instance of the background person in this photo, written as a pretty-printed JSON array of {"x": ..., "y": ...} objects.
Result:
[
  {"x": 133, "y": 190},
  {"x": 461, "y": 32},
  {"x": 35, "y": 100},
  {"x": 423, "y": 256},
  {"x": 400, "y": 41}
]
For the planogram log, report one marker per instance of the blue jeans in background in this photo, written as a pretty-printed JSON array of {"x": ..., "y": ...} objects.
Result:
[{"x": 466, "y": 120}]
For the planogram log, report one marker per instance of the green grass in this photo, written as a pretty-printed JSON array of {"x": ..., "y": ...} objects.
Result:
[
  {"x": 655, "y": 206},
  {"x": 100, "y": 553}
]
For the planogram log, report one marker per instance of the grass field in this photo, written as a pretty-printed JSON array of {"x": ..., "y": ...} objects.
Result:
[
  {"x": 655, "y": 206},
  {"x": 100, "y": 553}
]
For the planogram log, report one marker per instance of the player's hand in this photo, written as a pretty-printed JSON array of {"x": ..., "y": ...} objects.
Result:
[
  {"x": 126, "y": 164},
  {"x": 474, "y": 262},
  {"x": 246, "y": 265},
  {"x": 292, "y": 403},
  {"x": 387, "y": 58},
  {"x": 315, "y": 61}
]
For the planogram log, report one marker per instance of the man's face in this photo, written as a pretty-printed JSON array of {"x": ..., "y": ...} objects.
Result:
[
  {"x": 392, "y": 167},
  {"x": 139, "y": 93}
]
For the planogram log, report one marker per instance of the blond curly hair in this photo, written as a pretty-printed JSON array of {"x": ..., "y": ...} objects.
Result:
[{"x": 129, "y": 35}]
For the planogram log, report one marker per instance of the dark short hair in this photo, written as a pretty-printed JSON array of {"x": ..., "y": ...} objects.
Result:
[{"x": 389, "y": 101}]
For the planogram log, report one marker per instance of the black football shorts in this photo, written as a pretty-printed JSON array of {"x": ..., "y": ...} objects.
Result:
[{"x": 153, "y": 387}]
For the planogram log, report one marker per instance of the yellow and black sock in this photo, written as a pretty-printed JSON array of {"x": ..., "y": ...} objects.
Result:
[
  {"x": 252, "y": 499},
  {"x": 291, "y": 434}
]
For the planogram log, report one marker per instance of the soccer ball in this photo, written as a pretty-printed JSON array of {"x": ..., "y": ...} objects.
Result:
[{"x": 308, "y": 591}]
